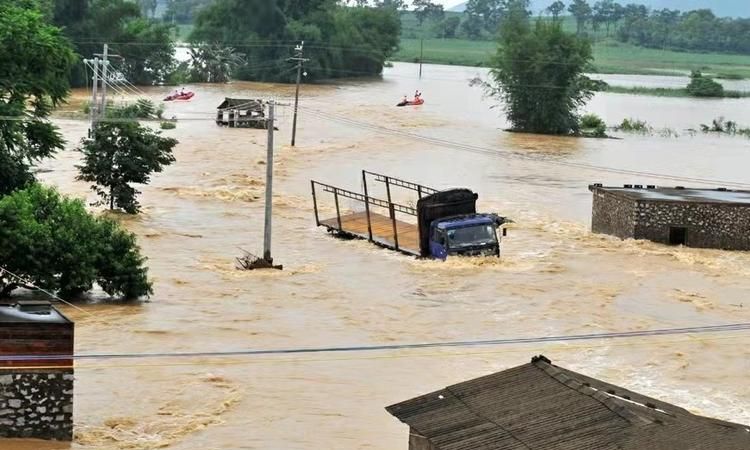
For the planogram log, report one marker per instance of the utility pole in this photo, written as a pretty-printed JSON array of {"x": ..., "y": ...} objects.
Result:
[
  {"x": 94, "y": 107},
  {"x": 269, "y": 186},
  {"x": 105, "y": 59},
  {"x": 421, "y": 56},
  {"x": 105, "y": 55},
  {"x": 298, "y": 56},
  {"x": 250, "y": 261}
]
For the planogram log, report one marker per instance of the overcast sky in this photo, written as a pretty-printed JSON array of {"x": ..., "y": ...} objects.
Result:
[{"x": 448, "y": 3}]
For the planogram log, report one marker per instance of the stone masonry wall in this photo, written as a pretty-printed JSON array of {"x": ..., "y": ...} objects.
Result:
[
  {"x": 613, "y": 215},
  {"x": 36, "y": 404},
  {"x": 709, "y": 225}
]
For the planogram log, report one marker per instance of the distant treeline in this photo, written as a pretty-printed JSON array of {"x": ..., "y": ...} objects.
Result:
[
  {"x": 339, "y": 41},
  {"x": 244, "y": 39},
  {"x": 698, "y": 30}
]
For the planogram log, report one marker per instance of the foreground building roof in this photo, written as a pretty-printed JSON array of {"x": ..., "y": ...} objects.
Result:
[{"x": 539, "y": 406}]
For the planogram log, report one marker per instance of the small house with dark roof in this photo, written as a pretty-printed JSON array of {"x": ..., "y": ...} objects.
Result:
[
  {"x": 36, "y": 371},
  {"x": 704, "y": 218},
  {"x": 242, "y": 113},
  {"x": 539, "y": 406}
]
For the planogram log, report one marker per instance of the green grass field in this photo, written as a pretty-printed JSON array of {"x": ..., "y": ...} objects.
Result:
[
  {"x": 667, "y": 92},
  {"x": 609, "y": 57}
]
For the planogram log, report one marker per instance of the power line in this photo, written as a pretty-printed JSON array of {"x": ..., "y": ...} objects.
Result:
[
  {"x": 495, "y": 153},
  {"x": 28, "y": 283},
  {"x": 727, "y": 328}
]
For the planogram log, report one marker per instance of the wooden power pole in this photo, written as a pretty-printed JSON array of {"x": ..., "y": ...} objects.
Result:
[
  {"x": 421, "y": 56},
  {"x": 298, "y": 56}
]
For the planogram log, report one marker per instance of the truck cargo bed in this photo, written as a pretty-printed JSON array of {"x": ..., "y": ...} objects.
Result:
[{"x": 355, "y": 225}]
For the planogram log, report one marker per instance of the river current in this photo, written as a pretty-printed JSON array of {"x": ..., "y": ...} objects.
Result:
[{"x": 555, "y": 276}]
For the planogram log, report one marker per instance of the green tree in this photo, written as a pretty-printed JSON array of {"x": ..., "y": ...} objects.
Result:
[
  {"x": 339, "y": 41},
  {"x": 427, "y": 10},
  {"x": 54, "y": 243},
  {"x": 472, "y": 27},
  {"x": 703, "y": 86},
  {"x": 119, "y": 154},
  {"x": 538, "y": 74},
  {"x": 393, "y": 4},
  {"x": 184, "y": 11},
  {"x": 145, "y": 44},
  {"x": 488, "y": 11},
  {"x": 555, "y": 9},
  {"x": 34, "y": 63},
  {"x": 448, "y": 27},
  {"x": 603, "y": 12},
  {"x": 581, "y": 10},
  {"x": 214, "y": 63},
  {"x": 148, "y": 7}
]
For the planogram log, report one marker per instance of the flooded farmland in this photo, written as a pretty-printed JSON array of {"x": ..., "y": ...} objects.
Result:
[{"x": 555, "y": 277}]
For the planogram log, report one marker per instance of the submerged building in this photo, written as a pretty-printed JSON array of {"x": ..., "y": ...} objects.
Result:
[
  {"x": 242, "y": 113},
  {"x": 36, "y": 371},
  {"x": 705, "y": 218},
  {"x": 539, "y": 406}
]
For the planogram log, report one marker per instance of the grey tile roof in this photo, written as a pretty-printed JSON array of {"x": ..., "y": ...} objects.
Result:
[
  {"x": 540, "y": 406},
  {"x": 678, "y": 194}
]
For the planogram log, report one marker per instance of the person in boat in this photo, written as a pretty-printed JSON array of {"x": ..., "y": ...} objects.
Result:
[
  {"x": 405, "y": 100},
  {"x": 182, "y": 91},
  {"x": 417, "y": 95}
]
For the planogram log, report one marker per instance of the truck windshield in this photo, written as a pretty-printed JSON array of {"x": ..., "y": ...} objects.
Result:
[{"x": 470, "y": 236}]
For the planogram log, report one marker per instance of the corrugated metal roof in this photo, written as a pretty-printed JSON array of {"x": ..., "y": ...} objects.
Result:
[
  {"x": 539, "y": 406},
  {"x": 242, "y": 103}
]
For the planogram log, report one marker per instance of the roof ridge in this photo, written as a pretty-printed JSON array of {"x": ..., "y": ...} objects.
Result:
[{"x": 610, "y": 402}]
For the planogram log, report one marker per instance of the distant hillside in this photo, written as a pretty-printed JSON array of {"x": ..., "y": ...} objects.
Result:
[{"x": 728, "y": 8}]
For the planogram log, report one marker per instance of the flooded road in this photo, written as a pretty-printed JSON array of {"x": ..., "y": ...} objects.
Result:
[{"x": 555, "y": 277}]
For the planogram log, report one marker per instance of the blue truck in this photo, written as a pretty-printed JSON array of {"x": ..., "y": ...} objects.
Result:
[{"x": 442, "y": 224}]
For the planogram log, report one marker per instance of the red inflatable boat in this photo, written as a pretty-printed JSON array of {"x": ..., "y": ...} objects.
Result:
[
  {"x": 180, "y": 96},
  {"x": 415, "y": 102}
]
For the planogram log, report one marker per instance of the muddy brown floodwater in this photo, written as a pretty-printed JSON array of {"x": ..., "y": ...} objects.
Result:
[{"x": 555, "y": 276}]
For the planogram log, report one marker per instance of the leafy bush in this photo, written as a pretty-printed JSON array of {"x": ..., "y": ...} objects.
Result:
[
  {"x": 723, "y": 126},
  {"x": 593, "y": 125},
  {"x": 720, "y": 125},
  {"x": 702, "y": 86},
  {"x": 141, "y": 109},
  {"x": 56, "y": 244},
  {"x": 167, "y": 125},
  {"x": 730, "y": 76},
  {"x": 634, "y": 126}
]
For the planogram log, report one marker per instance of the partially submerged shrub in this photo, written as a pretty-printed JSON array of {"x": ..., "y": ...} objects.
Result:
[
  {"x": 593, "y": 125},
  {"x": 634, "y": 126},
  {"x": 703, "y": 86}
]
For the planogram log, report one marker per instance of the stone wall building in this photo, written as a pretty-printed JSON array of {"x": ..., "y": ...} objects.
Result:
[
  {"x": 705, "y": 218},
  {"x": 36, "y": 391}
]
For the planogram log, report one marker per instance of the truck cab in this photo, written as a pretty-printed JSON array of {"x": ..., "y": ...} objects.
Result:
[{"x": 466, "y": 235}]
